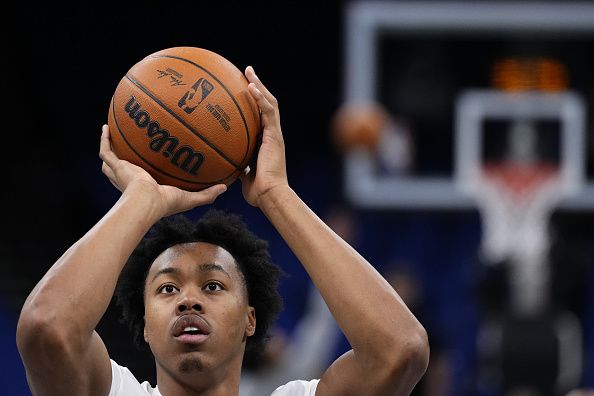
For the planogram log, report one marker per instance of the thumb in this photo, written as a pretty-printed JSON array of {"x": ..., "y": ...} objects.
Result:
[{"x": 204, "y": 197}]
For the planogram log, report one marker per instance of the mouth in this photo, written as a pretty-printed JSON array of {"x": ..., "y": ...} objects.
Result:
[{"x": 190, "y": 328}]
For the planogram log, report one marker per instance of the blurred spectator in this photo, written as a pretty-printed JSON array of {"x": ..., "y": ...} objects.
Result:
[
  {"x": 437, "y": 379},
  {"x": 581, "y": 392}
]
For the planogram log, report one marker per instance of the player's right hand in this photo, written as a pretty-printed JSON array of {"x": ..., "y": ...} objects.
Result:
[{"x": 130, "y": 178}]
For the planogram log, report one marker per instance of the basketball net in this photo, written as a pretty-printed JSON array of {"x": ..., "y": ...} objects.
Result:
[{"x": 515, "y": 200}]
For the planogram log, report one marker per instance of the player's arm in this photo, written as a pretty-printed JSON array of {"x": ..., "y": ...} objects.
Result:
[
  {"x": 390, "y": 349},
  {"x": 62, "y": 353}
]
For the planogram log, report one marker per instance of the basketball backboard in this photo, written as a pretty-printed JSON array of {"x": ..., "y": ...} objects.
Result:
[{"x": 432, "y": 64}]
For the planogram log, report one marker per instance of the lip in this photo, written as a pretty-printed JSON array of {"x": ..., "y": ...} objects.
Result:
[
  {"x": 192, "y": 338},
  {"x": 190, "y": 320}
]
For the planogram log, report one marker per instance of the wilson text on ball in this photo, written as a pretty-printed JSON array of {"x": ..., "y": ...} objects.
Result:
[{"x": 183, "y": 157}]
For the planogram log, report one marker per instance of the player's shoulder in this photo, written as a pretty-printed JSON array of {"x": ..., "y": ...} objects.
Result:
[
  {"x": 297, "y": 388},
  {"x": 124, "y": 383}
]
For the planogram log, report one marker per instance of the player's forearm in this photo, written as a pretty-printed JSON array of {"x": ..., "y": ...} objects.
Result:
[
  {"x": 368, "y": 310},
  {"x": 75, "y": 293}
]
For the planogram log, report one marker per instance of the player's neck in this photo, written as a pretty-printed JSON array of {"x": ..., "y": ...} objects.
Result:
[{"x": 219, "y": 382}]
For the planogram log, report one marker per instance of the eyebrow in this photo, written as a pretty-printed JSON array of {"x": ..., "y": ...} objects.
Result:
[
  {"x": 213, "y": 267},
  {"x": 202, "y": 268},
  {"x": 166, "y": 270}
]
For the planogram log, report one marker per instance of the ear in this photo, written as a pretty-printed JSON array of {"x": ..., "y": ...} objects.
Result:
[
  {"x": 251, "y": 322},
  {"x": 145, "y": 333}
]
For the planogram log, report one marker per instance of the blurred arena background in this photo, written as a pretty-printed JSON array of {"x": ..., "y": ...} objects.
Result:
[{"x": 412, "y": 128}]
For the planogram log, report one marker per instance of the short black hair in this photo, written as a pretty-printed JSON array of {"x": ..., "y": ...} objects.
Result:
[{"x": 219, "y": 228}]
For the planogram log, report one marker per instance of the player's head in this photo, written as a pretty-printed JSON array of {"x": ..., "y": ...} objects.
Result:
[{"x": 214, "y": 267}]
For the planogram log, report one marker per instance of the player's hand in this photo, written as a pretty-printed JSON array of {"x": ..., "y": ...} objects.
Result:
[
  {"x": 126, "y": 176},
  {"x": 270, "y": 169}
]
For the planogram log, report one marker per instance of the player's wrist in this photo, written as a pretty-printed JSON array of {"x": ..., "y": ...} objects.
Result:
[
  {"x": 274, "y": 195},
  {"x": 146, "y": 197}
]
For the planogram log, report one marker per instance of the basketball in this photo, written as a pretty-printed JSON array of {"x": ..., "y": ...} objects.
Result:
[
  {"x": 185, "y": 115},
  {"x": 358, "y": 125}
]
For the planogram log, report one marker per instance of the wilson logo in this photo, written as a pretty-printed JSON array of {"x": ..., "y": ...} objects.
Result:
[
  {"x": 183, "y": 157},
  {"x": 192, "y": 98}
]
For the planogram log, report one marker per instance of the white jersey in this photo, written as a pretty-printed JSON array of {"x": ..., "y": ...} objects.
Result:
[{"x": 123, "y": 383}]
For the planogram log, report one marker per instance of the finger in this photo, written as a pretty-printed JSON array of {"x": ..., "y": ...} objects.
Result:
[
  {"x": 105, "y": 131},
  {"x": 105, "y": 152},
  {"x": 263, "y": 102},
  {"x": 107, "y": 171},
  {"x": 206, "y": 196},
  {"x": 270, "y": 117},
  {"x": 250, "y": 73}
]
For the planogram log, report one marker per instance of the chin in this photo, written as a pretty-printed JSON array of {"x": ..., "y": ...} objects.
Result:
[{"x": 190, "y": 365}]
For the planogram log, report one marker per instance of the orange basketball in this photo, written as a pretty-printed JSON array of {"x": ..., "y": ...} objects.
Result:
[
  {"x": 185, "y": 115},
  {"x": 359, "y": 125}
]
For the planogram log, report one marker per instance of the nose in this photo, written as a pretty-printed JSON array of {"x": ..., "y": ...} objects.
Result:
[{"x": 189, "y": 304}]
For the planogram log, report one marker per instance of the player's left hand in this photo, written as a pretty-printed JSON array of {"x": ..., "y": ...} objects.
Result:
[{"x": 270, "y": 171}]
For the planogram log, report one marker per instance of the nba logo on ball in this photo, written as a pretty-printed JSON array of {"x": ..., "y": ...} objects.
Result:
[
  {"x": 201, "y": 85},
  {"x": 186, "y": 116}
]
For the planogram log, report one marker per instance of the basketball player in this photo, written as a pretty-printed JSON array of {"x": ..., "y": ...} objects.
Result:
[{"x": 198, "y": 316}]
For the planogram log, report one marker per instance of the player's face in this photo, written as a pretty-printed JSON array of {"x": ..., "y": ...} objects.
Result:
[{"x": 197, "y": 316}]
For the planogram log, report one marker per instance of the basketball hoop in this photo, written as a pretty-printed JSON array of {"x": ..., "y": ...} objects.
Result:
[
  {"x": 516, "y": 189},
  {"x": 515, "y": 201},
  {"x": 520, "y": 182}
]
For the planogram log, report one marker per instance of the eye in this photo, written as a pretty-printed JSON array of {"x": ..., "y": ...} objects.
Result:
[
  {"x": 213, "y": 286},
  {"x": 168, "y": 289}
]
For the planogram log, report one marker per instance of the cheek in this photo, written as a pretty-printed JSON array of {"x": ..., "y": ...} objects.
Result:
[
  {"x": 152, "y": 317},
  {"x": 234, "y": 315}
]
